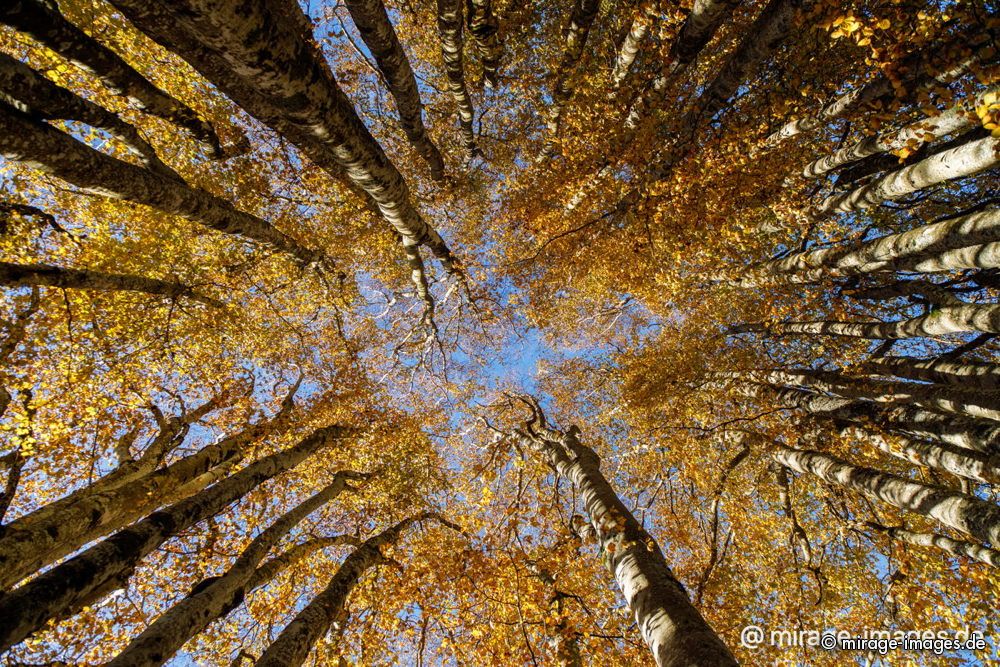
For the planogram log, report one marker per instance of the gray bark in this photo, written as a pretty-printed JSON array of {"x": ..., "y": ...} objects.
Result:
[
  {"x": 485, "y": 31},
  {"x": 53, "y": 152},
  {"x": 636, "y": 35},
  {"x": 449, "y": 20},
  {"x": 218, "y": 596},
  {"x": 969, "y": 374},
  {"x": 946, "y": 544},
  {"x": 83, "y": 579},
  {"x": 378, "y": 34},
  {"x": 975, "y": 517},
  {"x": 23, "y": 275},
  {"x": 42, "y": 20},
  {"x": 670, "y": 625}
]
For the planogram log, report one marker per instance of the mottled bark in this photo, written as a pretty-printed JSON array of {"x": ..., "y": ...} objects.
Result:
[
  {"x": 119, "y": 498},
  {"x": 958, "y": 119},
  {"x": 697, "y": 30},
  {"x": 670, "y": 625},
  {"x": 485, "y": 31},
  {"x": 764, "y": 36},
  {"x": 922, "y": 291},
  {"x": 216, "y": 597},
  {"x": 954, "y": 319},
  {"x": 946, "y": 544},
  {"x": 634, "y": 38},
  {"x": 66, "y": 588},
  {"x": 14, "y": 332},
  {"x": 580, "y": 22},
  {"x": 449, "y": 20},
  {"x": 262, "y": 54},
  {"x": 59, "y": 154},
  {"x": 23, "y": 275},
  {"x": 42, "y": 20},
  {"x": 292, "y": 646},
  {"x": 30, "y": 92},
  {"x": 277, "y": 564},
  {"x": 965, "y": 160},
  {"x": 797, "y": 538},
  {"x": 967, "y": 241},
  {"x": 975, "y": 517},
  {"x": 378, "y": 34},
  {"x": 970, "y": 374}
]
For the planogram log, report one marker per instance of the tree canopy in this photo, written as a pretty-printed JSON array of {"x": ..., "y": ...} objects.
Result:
[{"x": 486, "y": 332}]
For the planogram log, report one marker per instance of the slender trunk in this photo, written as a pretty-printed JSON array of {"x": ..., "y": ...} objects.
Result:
[
  {"x": 975, "y": 517},
  {"x": 946, "y": 544},
  {"x": 23, "y": 275},
  {"x": 922, "y": 249},
  {"x": 633, "y": 41},
  {"x": 292, "y": 646},
  {"x": 954, "y": 319},
  {"x": 577, "y": 32},
  {"x": 277, "y": 564},
  {"x": 61, "y": 527},
  {"x": 670, "y": 625},
  {"x": 922, "y": 290},
  {"x": 957, "y": 119},
  {"x": 218, "y": 596},
  {"x": 37, "y": 96},
  {"x": 15, "y": 331},
  {"x": 42, "y": 20},
  {"x": 59, "y": 154},
  {"x": 378, "y": 34},
  {"x": 485, "y": 29},
  {"x": 965, "y": 160},
  {"x": 449, "y": 20},
  {"x": 971, "y": 374},
  {"x": 67, "y": 588}
]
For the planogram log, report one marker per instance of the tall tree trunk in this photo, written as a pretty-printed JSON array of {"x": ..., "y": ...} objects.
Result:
[
  {"x": 121, "y": 497},
  {"x": 637, "y": 31},
  {"x": 218, "y": 596},
  {"x": 975, "y": 517},
  {"x": 35, "y": 95},
  {"x": 946, "y": 544},
  {"x": 42, "y": 20},
  {"x": 580, "y": 22},
  {"x": 919, "y": 249},
  {"x": 449, "y": 20},
  {"x": 957, "y": 119},
  {"x": 965, "y": 160},
  {"x": 956, "y": 319},
  {"x": 485, "y": 29},
  {"x": 292, "y": 646},
  {"x": 378, "y": 34},
  {"x": 970, "y": 374},
  {"x": 59, "y": 154},
  {"x": 67, "y": 588},
  {"x": 670, "y": 625},
  {"x": 23, "y": 275}
]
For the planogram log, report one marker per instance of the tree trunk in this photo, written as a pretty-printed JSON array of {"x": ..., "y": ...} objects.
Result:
[
  {"x": 378, "y": 34},
  {"x": 946, "y": 544},
  {"x": 580, "y": 22},
  {"x": 216, "y": 597},
  {"x": 292, "y": 646},
  {"x": 42, "y": 20},
  {"x": 636, "y": 35},
  {"x": 965, "y": 160},
  {"x": 670, "y": 625},
  {"x": 59, "y": 154},
  {"x": 449, "y": 20},
  {"x": 67, "y": 588},
  {"x": 23, "y": 275},
  {"x": 975, "y": 517},
  {"x": 970, "y": 374},
  {"x": 32, "y": 93},
  {"x": 485, "y": 29}
]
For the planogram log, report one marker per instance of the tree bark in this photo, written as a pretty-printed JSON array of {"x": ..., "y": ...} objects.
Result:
[
  {"x": 965, "y": 160},
  {"x": 216, "y": 597},
  {"x": 378, "y": 34},
  {"x": 23, "y": 275},
  {"x": 946, "y": 544},
  {"x": 67, "y": 588},
  {"x": 975, "y": 517},
  {"x": 292, "y": 646},
  {"x": 449, "y": 20},
  {"x": 32, "y": 93},
  {"x": 42, "y": 20},
  {"x": 971, "y": 374},
  {"x": 670, "y": 625},
  {"x": 485, "y": 31},
  {"x": 636, "y": 35},
  {"x": 59, "y": 154},
  {"x": 580, "y": 22}
]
